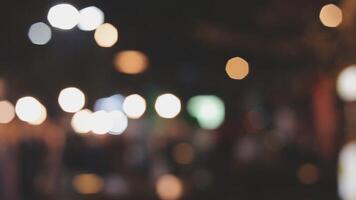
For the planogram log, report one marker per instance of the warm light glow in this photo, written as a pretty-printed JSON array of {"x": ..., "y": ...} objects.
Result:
[
  {"x": 71, "y": 99},
  {"x": 87, "y": 183},
  {"x": 111, "y": 103},
  {"x": 101, "y": 122},
  {"x": 209, "y": 110},
  {"x": 63, "y": 16},
  {"x": 183, "y": 153},
  {"x": 28, "y": 109},
  {"x": 39, "y": 33},
  {"x": 41, "y": 118},
  {"x": 168, "y": 106},
  {"x": 347, "y": 172},
  {"x": 134, "y": 106},
  {"x": 81, "y": 121},
  {"x": 7, "y": 112},
  {"x": 90, "y": 18},
  {"x": 308, "y": 174},
  {"x": 106, "y": 35},
  {"x": 237, "y": 68},
  {"x": 330, "y": 15},
  {"x": 119, "y": 122},
  {"x": 346, "y": 84},
  {"x": 169, "y": 187},
  {"x": 131, "y": 62}
]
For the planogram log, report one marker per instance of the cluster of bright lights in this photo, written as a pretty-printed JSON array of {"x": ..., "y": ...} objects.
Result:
[
  {"x": 168, "y": 106},
  {"x": 209, "y": 110},
  {"x": 100, "y": 122},
  {"x": 7, "y": 112},
  {"x": 65, "y": 17},
  {"x": 30, "y": 110},
  {"x": 71, "y": 99}
]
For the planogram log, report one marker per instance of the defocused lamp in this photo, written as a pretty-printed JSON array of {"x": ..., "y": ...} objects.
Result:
[
  {"x": 71, "y": 99},
  {"x": 111, "y": 103},
  {"x": 237, "y": 68},
  {"x": 7, "y": 112},
  {"x": 101, "y": 122},
  {"x": 209, "y": 110},
  {"x": 168, "y": 106},
  {"x": 134, "y": 106},
  {"x": 28, "y": 109},
  {"x": 119, "y": 122},
  {"x": 41, "y": 118},
  {"x": 347, "y": 172},
  {"x": 330, "y": 15},
  {"x": 169, "y": 187},
  {"x": 106, "y": 35},
  {"x": 81, "y": 121},
  {"x": 90, "y": 18},
  {"x": 131, "y": 62},
  {"x": 87, "y": 183},
  {"x": 39, "y": 33},
  {"x": 63, "y": 16},
  {"x": 346, "y": 84}
]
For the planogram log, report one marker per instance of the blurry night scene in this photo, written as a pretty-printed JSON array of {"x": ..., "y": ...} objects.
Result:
[{"x": 178, "y": 100}]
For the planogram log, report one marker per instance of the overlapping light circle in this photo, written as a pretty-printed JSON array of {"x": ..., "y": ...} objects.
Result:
[
  {"x": 102, "y": 122},
  {"x": 63, "y": 16},
  {"x": 82, "y": 121},
  {"x": 30, "y": 110},
  {"x": 90, "y": 18},
  {"x": 119, "y": 122}
]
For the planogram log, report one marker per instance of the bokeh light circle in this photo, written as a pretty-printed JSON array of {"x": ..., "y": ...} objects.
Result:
[
  {"x": 7, "y": 112},
  {"x": 81, "y": 121},
  {"x": 237, "y": 68},
  {"x": 131, "y": 62},
  {"x": 71, "y": 99},
  {"x": 28, "y": 109},
  {"x": 90, "y": 18},
  {"x": 168, "y": 106},
  {"x": 106, "y": 35},
  {"x": 101, "y": 122},
  {"x": 169, "y": 187},
  {"x": 39, "y": 33},
  {"x": 330, "y": 15},
  {"x": 119, "y": 122},
  {"x": 134, "y": 106},
  {"x": 346, "y": 84},
  {"x": 41, "y": 118},
  {"x": 63, "y": 16}
]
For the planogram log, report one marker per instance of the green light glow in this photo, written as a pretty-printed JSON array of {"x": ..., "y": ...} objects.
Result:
[{"x": 209, "y": 110}]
